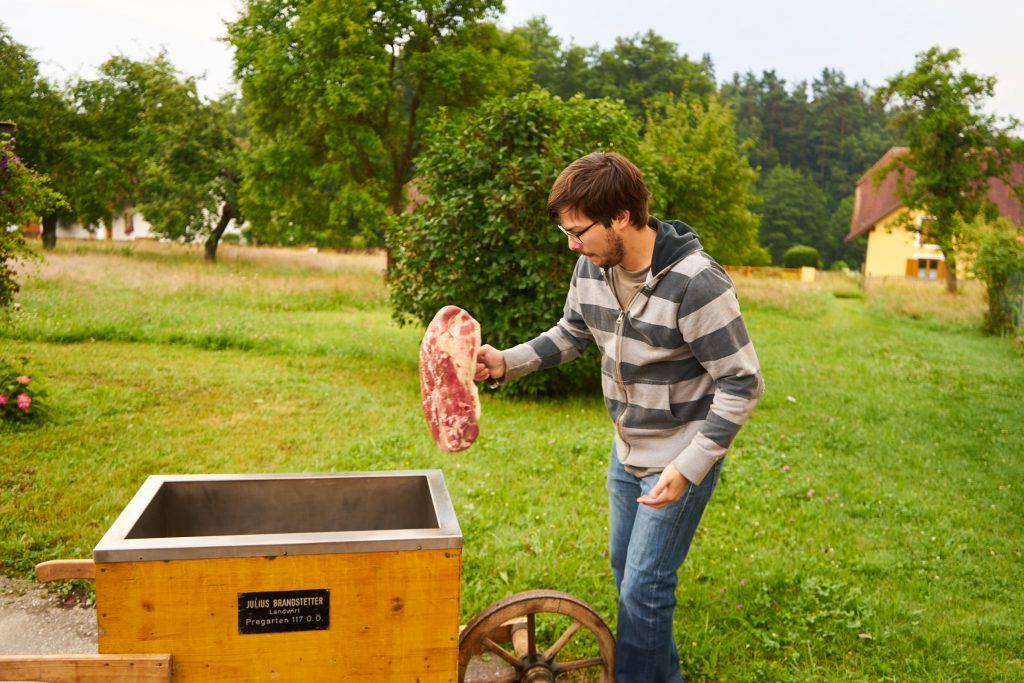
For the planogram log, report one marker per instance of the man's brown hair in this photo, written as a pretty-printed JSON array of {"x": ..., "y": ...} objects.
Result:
[{"x": 601, "y": 185}]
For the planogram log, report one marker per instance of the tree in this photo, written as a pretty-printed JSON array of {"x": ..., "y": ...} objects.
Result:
[
  {"x": 482, "y": 238},
  {"x": 847, "y": 132},
  {"x": 339, "y": 92},
  {"x": 52, "y": 129},
  {"x": 144, "y": 141},
  {"x": 833, "y": 135},
  {"x": 190, "y": 191},
  {"x": 124, "y": 118},
  {"x": 954, "y": 147},
  {"x": 564, "y": 71},
  {"x": 772, "y": 115},
  {"x": 829, "y": 137},
  {"x": 699, "y": 173},
  {"x": 795, "y": 211},
  {"x": 45, "y": 125},
  {"x": 639, "y": 68},
  {"x": 24, "y": 196},
  {"x": 834, "y": 246}
]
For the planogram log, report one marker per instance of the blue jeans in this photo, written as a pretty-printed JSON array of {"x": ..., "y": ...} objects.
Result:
[{"x": 647, "y": 548}]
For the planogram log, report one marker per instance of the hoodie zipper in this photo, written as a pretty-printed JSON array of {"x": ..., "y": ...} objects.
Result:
[{"x": 618, "y": 367}]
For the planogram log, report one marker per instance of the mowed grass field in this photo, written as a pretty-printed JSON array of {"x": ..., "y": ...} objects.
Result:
[{"x": 869, "y": 525}]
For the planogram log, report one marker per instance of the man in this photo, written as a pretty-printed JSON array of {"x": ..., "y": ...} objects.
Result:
[{"x": 679, "y": 375}]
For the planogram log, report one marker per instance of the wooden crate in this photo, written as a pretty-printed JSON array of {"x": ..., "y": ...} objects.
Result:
[{"x": 282, "y": 606}]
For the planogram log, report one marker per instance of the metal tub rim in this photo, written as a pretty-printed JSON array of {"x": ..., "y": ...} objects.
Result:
[{"x": 117, "y": 545}]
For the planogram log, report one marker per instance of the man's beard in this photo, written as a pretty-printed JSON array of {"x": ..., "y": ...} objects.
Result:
[{"x": 616, "y": 251}]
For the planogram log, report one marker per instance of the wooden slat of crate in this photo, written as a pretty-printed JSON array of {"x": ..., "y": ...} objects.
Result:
[
  {"x": 394, "y": 616},
  {"x": 154, "y": 668}
]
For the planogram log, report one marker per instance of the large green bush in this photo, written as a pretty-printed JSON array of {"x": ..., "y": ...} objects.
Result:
[
  {"x": 482, "y": 239},
  {"x": 799, "y": 256},
  {"x": 1000, "y": 265}
]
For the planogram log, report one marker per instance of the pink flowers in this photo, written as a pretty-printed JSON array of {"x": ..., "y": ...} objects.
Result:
[{"x": 21, "y": 397}]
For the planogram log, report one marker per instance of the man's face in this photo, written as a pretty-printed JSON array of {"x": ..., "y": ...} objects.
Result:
[{"x": 601, "y": 245}]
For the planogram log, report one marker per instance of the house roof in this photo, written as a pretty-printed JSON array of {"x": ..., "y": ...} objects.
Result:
[{"x": 873, "y": 202}]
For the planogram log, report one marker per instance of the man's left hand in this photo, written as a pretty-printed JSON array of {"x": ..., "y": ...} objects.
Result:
[{"x": 670, "y": 486}]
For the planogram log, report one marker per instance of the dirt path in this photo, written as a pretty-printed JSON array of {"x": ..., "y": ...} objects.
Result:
[{"x": 33, "y": 622}]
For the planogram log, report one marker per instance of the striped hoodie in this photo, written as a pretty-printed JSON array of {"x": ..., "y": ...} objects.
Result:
[{"x": 679, "y": 372}]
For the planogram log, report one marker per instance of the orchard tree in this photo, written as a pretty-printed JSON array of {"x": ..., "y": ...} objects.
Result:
[
  {"x": 699, "y": 173},
  {"x": 189, "y": 190},
  {"x": 45, "y": 125},
  {"x": 338, "y": 93},
  {"x": 954, "y": 147},
  {"x": 51, "y": 133},
  {"x": 24, "y": 196},
  {"x": 123, "y": 116},
  {"x": 482, "y": 238},
  {"x": 155, "y": 147}
]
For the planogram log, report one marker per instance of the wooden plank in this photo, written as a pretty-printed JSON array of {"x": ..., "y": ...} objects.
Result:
[
  {"x": 154, "y": 668},
  {"x": 394, "y": 616},
  {"x": 53, "y": 570}
]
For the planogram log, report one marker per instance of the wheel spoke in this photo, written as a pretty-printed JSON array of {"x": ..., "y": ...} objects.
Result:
[
  {"x": 579, "y": 664},
  {"x": 553, "y": 651},
  {"x": 531, "y": 633},
  {"x": 502, "y": 652}
]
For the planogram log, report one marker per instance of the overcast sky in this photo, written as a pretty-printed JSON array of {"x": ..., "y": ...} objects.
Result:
[{"x": 867, "y": 39}]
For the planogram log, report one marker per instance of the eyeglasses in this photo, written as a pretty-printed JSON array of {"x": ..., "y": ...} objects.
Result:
[{"x": 578, "y": 236}]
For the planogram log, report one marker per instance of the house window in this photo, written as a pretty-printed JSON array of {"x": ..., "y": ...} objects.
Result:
[{"x": 927, "y": 269}]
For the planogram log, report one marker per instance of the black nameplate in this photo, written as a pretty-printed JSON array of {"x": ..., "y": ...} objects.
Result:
[{"x": 280, "y": 611}]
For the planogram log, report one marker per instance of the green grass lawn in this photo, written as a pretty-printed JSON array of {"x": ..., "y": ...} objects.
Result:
[{"x": 868, "y": 526}]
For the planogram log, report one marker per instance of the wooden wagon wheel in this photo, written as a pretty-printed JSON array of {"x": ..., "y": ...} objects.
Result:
[{"x": 514, "y": 620}]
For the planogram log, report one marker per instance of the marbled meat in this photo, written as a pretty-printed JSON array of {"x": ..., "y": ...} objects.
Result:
[{"x": 451, "y": 403}]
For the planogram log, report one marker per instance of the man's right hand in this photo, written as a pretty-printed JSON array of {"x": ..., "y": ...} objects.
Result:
[{"x": 490, "y": 364}]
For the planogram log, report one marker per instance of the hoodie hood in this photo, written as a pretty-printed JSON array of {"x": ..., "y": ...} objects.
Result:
[{"x": 675, "y": 241}]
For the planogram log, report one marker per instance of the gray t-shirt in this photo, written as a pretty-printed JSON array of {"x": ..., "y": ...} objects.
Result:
[{"x": 626, "y": 283}]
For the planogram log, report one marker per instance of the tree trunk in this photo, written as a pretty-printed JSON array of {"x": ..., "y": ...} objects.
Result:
[
  {"x": 950, "y": 273},
  {"x": 226, "y": 214},
  {"x": 49, "y": 234}
]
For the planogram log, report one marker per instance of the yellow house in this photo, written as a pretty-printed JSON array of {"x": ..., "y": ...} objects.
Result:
[{"x": 895, "y": 249}]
